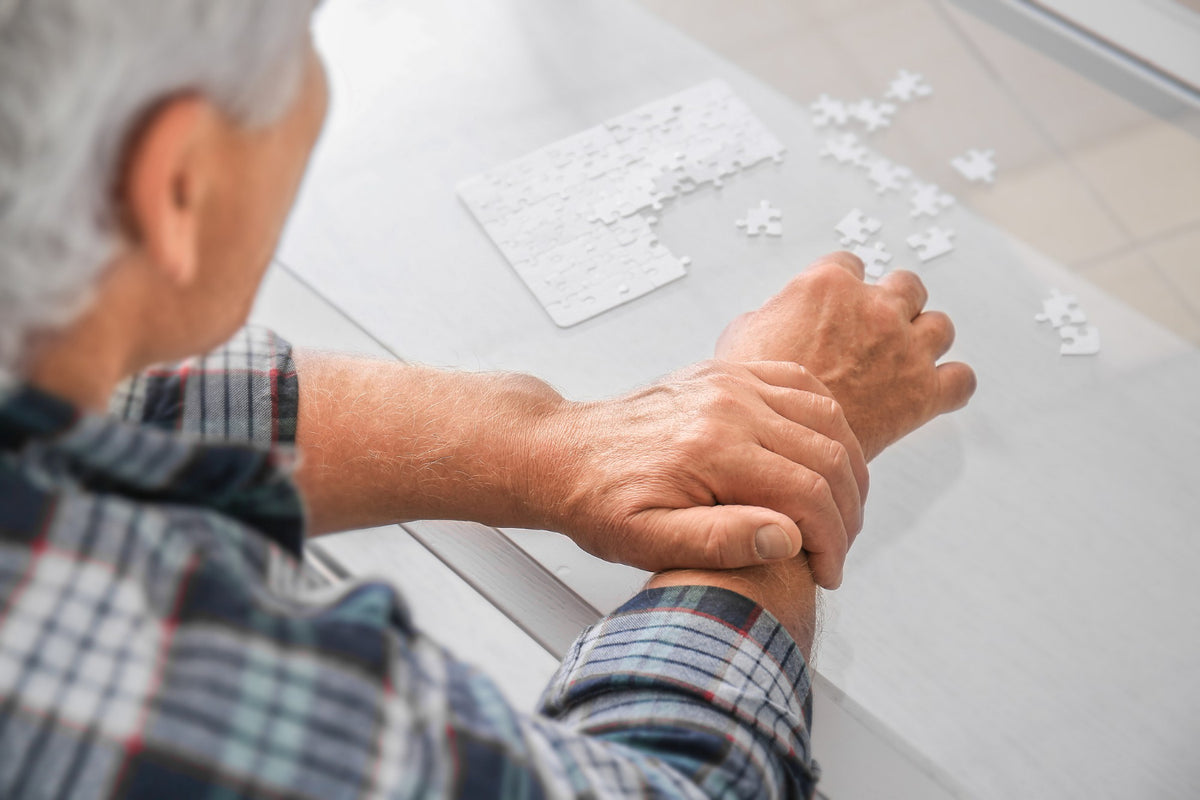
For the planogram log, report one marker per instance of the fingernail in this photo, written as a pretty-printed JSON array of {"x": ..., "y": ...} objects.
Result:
[{"x": 772, "y": 543}]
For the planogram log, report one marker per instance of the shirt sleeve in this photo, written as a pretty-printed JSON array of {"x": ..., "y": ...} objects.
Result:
[
  {"x": 685, "y": 692},
  {"x": 246, "y": 391},
  {"x": 700, "y": 682}
]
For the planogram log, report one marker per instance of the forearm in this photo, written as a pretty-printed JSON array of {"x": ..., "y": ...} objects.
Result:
[
  {"x": 786, "y": 589},
  {"x": 384, "y": 442}
]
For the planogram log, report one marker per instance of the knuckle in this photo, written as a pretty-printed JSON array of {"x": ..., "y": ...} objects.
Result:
[
  {"x": 909, "y": 282},
  {"x": 945, "y": 325},
  {"x": 721, "y": 399},
  {"x": 702, "y": 370},
  {"x": 815, "y": 488},
  {"x": 828, "y": 410},
  {"x": 837, "y": 456},
  {"x": 796, "y": 374},
  {"x": 717, "y": 549},
  {"x": 883, "y": 315},
  {"x": 827, "y": 276}
]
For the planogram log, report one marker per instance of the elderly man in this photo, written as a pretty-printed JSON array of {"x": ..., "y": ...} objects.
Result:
[{"x": 157, "y": 638}]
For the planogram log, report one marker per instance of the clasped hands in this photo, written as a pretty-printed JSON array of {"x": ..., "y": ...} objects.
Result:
[{"x": 763, "y": 452}]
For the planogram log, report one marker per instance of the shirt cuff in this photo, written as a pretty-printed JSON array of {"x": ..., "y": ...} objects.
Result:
[{"x": 701, "y": 659}]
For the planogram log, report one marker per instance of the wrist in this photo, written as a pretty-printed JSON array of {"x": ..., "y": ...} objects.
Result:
[
  {"x": 551, "y": 454},
  {"x": 538, "y": 452},
  {"x": 786, "y": 589}
]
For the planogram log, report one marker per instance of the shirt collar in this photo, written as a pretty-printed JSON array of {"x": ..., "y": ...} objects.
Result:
[{"x": 104, "y": 454}]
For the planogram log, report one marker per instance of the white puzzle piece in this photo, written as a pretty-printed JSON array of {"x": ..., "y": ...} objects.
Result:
[
  {"x": 764, "y": 219},
  {"x": 1079, "y": 340},
  {"x": 908, "y": 86},
  {"x": 928, "y": 200},
  {"x": 573, "y": 218},
  {"x": 827, "y": 111},
  {"x": 977, "y": 165},
  {"x": 874, "y": 115},
  {"x": 875, "y": 259},
  {"x": 857, "y": 227},
  {"x": 846, "y": 148},
  {"x": 886, "y": 176},
  {"x": 932, "y": 244},
  {"x": 1061, "y": 309}
]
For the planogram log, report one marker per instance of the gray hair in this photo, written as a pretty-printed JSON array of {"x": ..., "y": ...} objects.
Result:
[{"x": 76, "y": 78}]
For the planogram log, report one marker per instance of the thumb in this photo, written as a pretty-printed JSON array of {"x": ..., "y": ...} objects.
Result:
[{"x": 719, "y": 537}]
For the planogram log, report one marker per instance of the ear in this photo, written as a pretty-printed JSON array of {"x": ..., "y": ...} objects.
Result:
[{"x": 164, "y": 183}]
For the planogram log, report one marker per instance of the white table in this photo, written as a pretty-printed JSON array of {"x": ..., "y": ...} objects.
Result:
[{"x": 1018, "y": 618}]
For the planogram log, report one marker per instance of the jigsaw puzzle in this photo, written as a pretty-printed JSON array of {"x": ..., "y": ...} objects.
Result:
[
  {"x": 886, "y": 176},
  {"x": 928, "y": 200},
  {"x": 857, "y": 227},
  {"x": 932, "y": 244},
  {"x": 1061, "y": 309},
  {"x": 573, "y": 218},
  {"x": 875, "y": 259},
  {"x": 977, "y": 165},
  {"x": 1079, "y": 340},
  {"x": 874, "y": 115},
  {"x": 908, "y": 86},
  {"x": 845, "y": 148},
  {"x": 764, "y": 219},
  {"x": 828, "y": 111}
]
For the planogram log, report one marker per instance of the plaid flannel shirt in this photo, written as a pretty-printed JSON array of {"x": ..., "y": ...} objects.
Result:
[{"x": 158, "y": 639}]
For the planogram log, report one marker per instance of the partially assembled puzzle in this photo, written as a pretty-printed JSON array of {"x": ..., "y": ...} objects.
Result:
[{"x": 575, "y": 218}]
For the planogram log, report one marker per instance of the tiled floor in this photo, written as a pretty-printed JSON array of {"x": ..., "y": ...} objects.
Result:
[{"x": 1087, "y": 177}]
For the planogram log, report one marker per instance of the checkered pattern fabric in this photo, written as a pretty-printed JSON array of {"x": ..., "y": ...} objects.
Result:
[{"x": 158, "y": 640}]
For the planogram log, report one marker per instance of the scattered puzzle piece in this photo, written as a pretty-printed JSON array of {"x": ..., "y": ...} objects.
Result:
[
  {"x": 886, "y": 176},
  {"x": 845, "y": 149},
  {"x": 828, "y": 111},
  {"x": 857, "y": 227},
  {"x": 874, "y": 259},
  {"x": 929, "y": 200},
  {"x": 764, "y": 219},
  {"x": 872, "y": 114},
  {"x": 977, "y": 165},
  {"x": 1079, "y": 340},
  {"x": 933, "y": 243},
  {"x": 908, "y": 86},
  {"x": 1061, "y": 309}
]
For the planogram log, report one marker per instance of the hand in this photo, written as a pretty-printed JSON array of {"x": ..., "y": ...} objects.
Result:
[
  {"x": 871, "y": 345},
  {"x": 721, "y": 465}
]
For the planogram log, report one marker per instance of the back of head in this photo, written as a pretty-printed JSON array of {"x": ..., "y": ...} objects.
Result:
[{"x": 76, "y": 79}]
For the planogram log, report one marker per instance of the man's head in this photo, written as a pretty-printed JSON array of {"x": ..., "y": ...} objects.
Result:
[{"x": 149, "y": 152}]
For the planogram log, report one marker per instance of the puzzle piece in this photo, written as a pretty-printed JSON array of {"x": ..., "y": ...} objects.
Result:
[
  {"x": 1079, "y": 340},
  {"x": 846, "y": 149},
  {"x": 977, "y": 165},
  {"x": 1061, "y": 309},
  {"x": 908, "y": 86},
  {"x": 886, "y": 176},
  {"x": 857, "y": 227},
  {"x": 827, "y": 110},
  {"x": 874, "y": 259},
  {"x": 929, "y": 200},
  {"x": 932, "y": 243},
  {"x": 872, "y": 114},
  {"x": 764, "y": 219}
]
